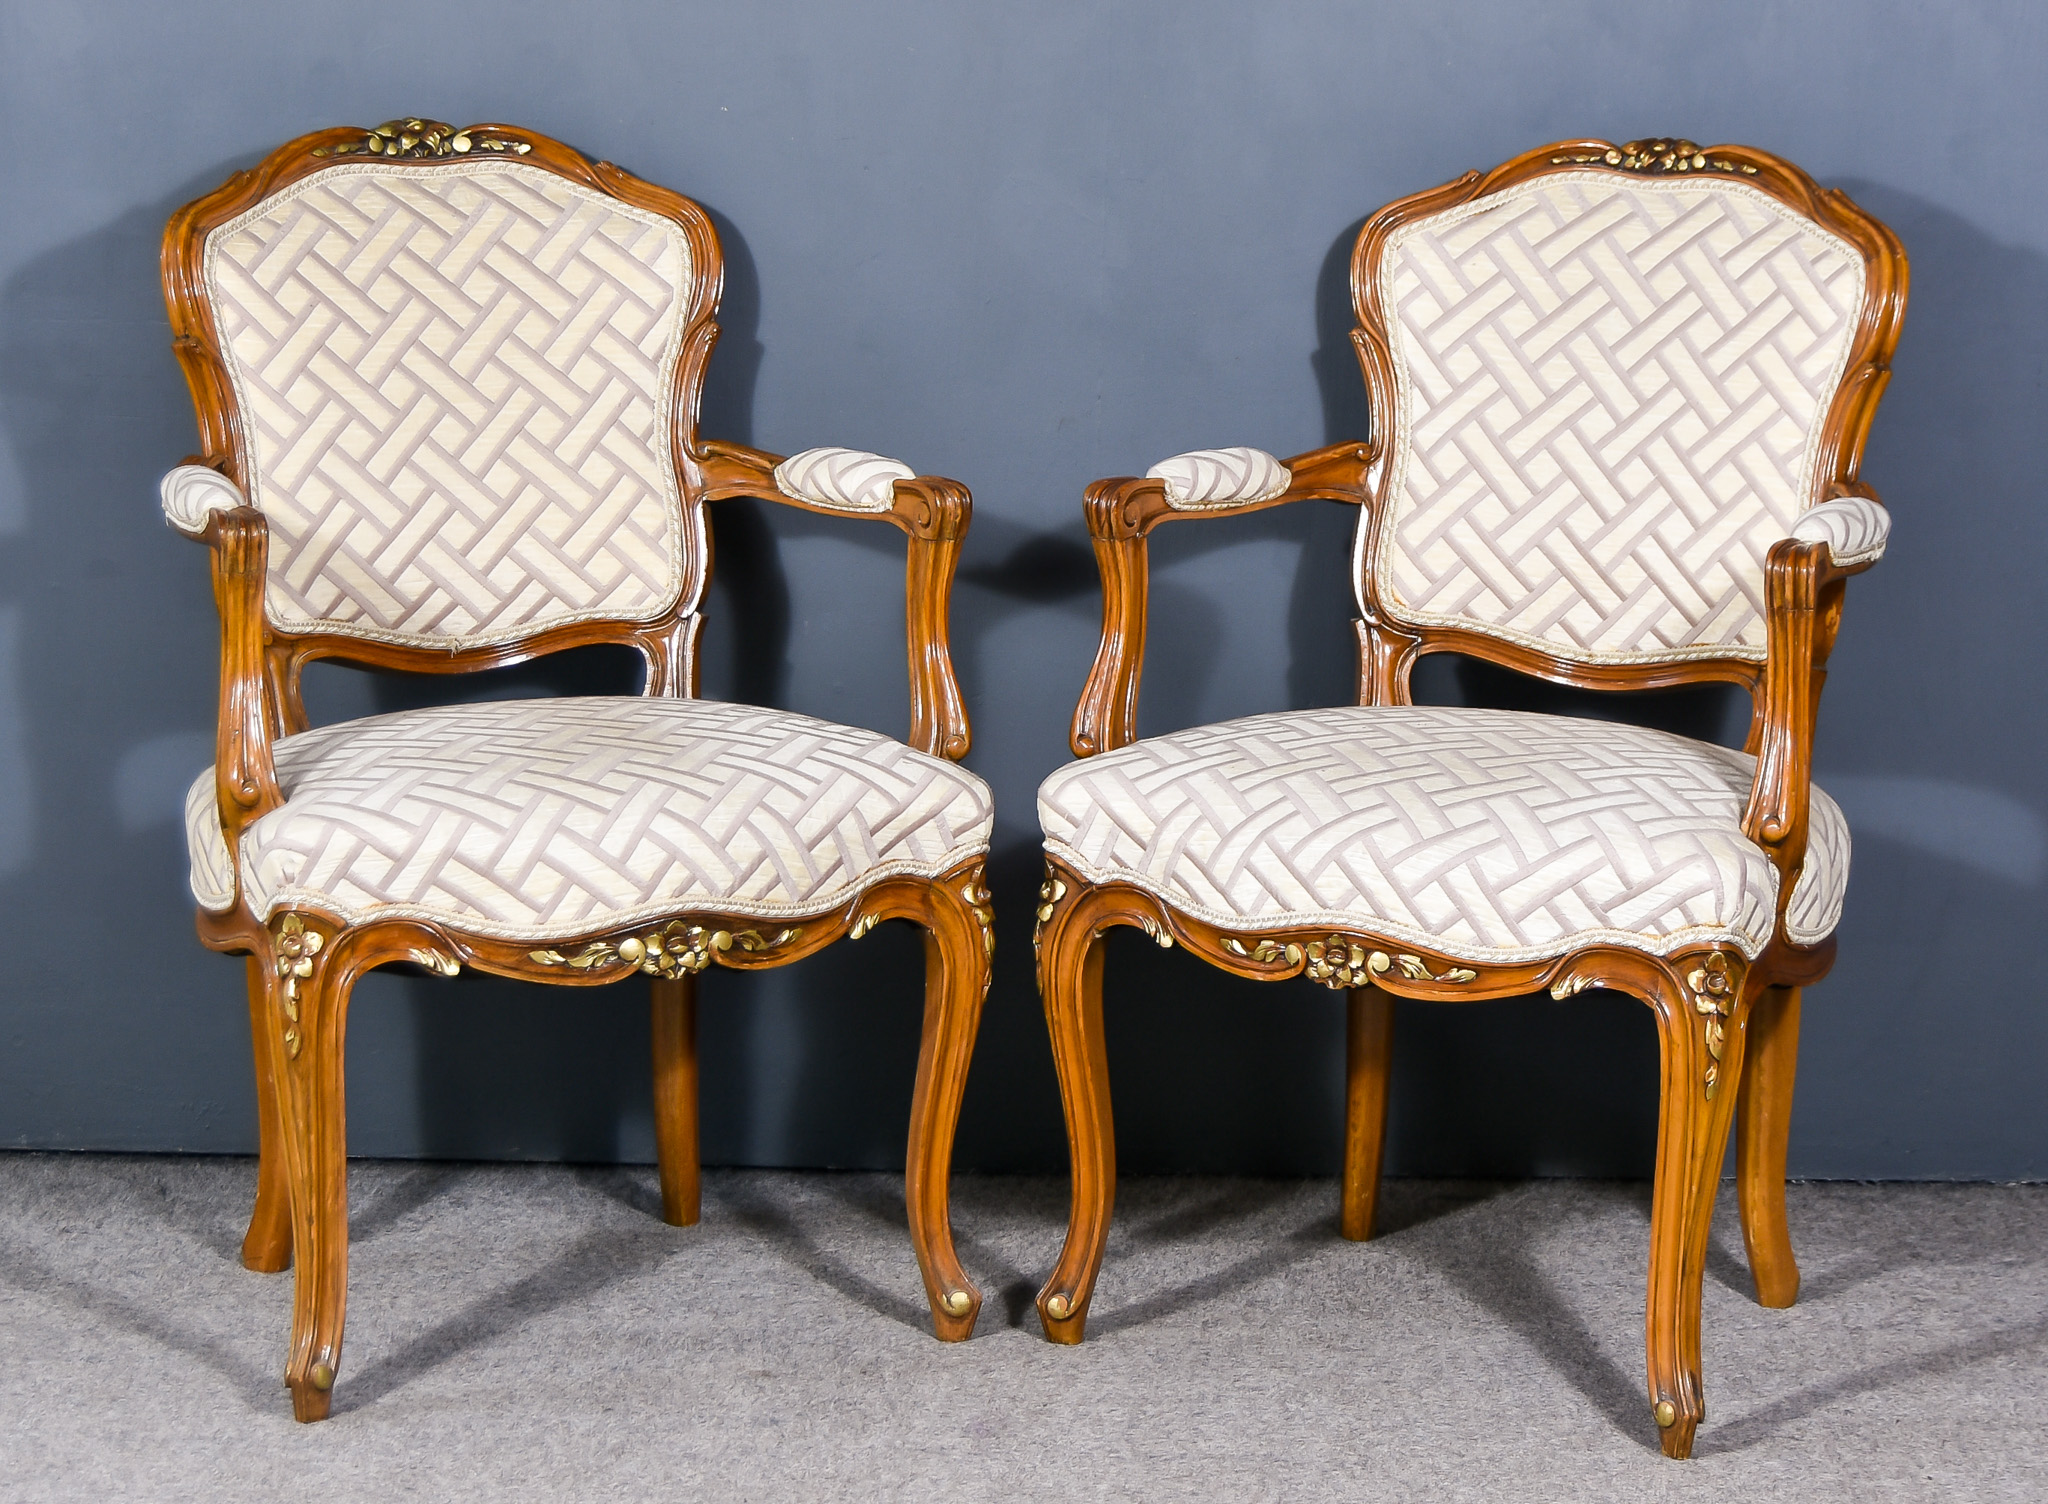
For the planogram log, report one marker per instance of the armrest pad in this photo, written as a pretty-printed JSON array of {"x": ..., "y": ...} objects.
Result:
[
  {"x": 848, "y": 480},
  {"x": 1853, "y": 527},
  {"x": 192, "y": 493},
  {"x": 1220, "y": 478}
]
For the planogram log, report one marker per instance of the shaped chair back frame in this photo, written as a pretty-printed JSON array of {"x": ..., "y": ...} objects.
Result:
[
  {"x": 1393, "y": 634},
  {"x": 664, "y": 630}
]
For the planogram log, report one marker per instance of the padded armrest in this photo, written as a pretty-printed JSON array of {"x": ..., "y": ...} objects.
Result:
[
  {"x": 1853, "y": 527},
  {"x": 1204, "y": 478},
  {"x": 192, "y": 493},
  {"x": 846, "y": 480}
]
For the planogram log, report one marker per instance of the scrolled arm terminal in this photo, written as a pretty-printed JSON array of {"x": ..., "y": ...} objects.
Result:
[{"x": 191, "y": 494}]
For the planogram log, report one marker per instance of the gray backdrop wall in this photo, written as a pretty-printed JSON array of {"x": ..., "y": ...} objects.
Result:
[{"x": 1024, "y": 246}]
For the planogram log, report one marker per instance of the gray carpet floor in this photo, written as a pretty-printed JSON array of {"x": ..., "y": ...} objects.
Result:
[{"x": 523, "y": 1332}]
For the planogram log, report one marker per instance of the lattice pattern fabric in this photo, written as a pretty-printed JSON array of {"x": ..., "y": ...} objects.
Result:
[
  {"x": 456, "y": 385},
  {"x": 1487, "y": 835},
  {"x": 1609, "y": 396},
  {"x": 1854, "y": 528},
  {"x": 851, "y": 480},
  {"x": 1204, "y": 478},
  {"x": 543, "y": 818}
]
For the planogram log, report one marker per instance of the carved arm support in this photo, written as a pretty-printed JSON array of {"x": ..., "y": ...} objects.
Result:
[
  {"x": 1123, "y": 510},
  {"x": 203, "y": 504},
  {"x": 932, "y": 512},
  {"x": 1805, "y": 578}
]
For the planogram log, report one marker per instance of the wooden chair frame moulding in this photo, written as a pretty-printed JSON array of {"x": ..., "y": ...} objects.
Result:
[
  {"x": 1722, "y": 1018},
  {"x": 303, "y": 961}
]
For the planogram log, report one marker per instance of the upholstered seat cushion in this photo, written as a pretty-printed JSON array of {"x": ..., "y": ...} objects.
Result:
[
  {"x": 543, "y": 818},
  {"x": 1487, "y": 835}
]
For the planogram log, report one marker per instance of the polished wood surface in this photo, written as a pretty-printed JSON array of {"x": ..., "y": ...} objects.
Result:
[
  {"x": 1763, "y": 1114},
  {"x": 1070, "y": 981},
  {"x": 1711, "y": 1004},
  {"x": 934, "y": 514},
  {"x": 267, "y": 1245},
  {"x": 1121, "y": 512},
  {"x": 303, "y": 963},
  {"x": 1368, "y": 1065},
  {"x": 674, "y": 1016}
]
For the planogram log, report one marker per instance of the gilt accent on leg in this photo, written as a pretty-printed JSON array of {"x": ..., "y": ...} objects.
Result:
[
  {"x": 1692, "y": 1141},
  {"x": 308, "y": 1043}
]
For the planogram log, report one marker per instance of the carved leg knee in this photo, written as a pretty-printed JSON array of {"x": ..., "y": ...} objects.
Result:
[
  {"x": 1702, "y": 1066},
  {"x": 312, "y": 1009}
]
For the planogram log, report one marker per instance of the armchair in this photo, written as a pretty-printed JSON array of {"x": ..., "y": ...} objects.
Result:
[
  {"x": 1619, "y": 399},
  {"x": 447, "y": 386}
]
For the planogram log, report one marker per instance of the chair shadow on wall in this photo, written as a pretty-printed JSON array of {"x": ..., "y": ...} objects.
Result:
[{"x": 109, "y": 673}]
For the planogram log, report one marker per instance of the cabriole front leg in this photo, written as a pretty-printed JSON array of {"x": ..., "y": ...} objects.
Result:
[
  {"x": 310, "y": 1024},
  {"x": 1700, "y": 1031},
  {"x": 1070, "y": 980},
  {"x": 957, "y": 950}
]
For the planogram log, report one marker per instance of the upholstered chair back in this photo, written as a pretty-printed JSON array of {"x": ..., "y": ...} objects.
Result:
[
  {"x": 456, "y": 388},
  {"x": 1610, "y": 393}
]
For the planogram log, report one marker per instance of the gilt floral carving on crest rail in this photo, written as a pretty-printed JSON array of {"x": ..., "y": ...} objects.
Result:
[
  {"x": 425, "y": 139},
  {"x": 1658, "y": 154}
]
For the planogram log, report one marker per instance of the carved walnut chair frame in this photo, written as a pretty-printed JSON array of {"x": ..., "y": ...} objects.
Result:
[
  {"x": 303, "y": 963},
  {"x": 1728, "y": 1027}
]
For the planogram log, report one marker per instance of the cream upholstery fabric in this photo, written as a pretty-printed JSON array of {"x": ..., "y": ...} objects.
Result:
[
  {"x": 455, "y": 382},
  {"x": 1488, "y": 835},
  {"x": 1609, "y": 393},
  {"x": 1220, "y": 477},
  {"x": 213, "y": 870},
  {"x": 1853, "y": 527},
  {"x": 192, "y": 493},
  {"x": 541, "y": 818},
  {"x": 850, "y": 479}
]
